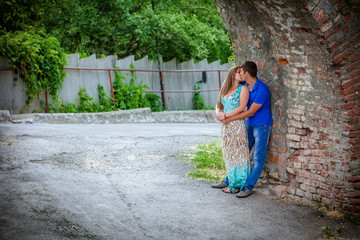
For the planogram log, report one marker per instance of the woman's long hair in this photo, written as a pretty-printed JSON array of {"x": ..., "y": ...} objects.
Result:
[{"x": 227, "y": 85}]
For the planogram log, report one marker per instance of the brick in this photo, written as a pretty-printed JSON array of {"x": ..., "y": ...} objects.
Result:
[
  {"x": 353, "y": 120},
  {"x": 323, "y": 20},
  {"x": 325, "y": 186},
  {"x": 335, "y": 204},
  {"x": 315, "y": 153},
  {"x": 306, "y": 174},
  {"x": 348, "y": 106},
  {"x": 293, "y": 137},
  {"x": 299, "y": 179},
  {"x": 326, "y": 27},
  {"x": 341, "y": 5},
  {"x": 354, "y": 141},
  {"x": 351, "y": 82},
  {"x": 347, "y": 45},
  {"x": 340, "y": 199},
  {"x": 354, "y": 74},
  {"x": 324, "y": 193},
  {"x": 354, "y": 201},
  {"x": 333, "y": 46},
  {"x": 348, "y": 91},
  {"x": 297, "y": 165},
  {"x": 350, "y": 193},
  {"x": 351, "y": 128},
  {"x": 319, "y": 14},
  {"x": 355, "y": 156},
  {"x": 354, "y": 58},
  {"x": 312, "y": 5},
  {"x": 281, "y": 159},
  {"x": 323, "y": 154},
  {"x": 313, "y": 183},
  {"x": 299, "y": 192},
  {"x": 352, "y": 208},
  {"x": 301, "y": 132},
  {"x": 353, "y": 112},
  {"x": 319, "y": 178},
  {"x": 302, "y": 70},
  {"x": 324, "y": 173},
  {"x": 353, "y": 33},
  {"x": 345, "y": 29},
  {"x": 309, "y": 195},
  {"x": 273, "y": 158},
  {"x": 353, "y": 66},
  {"x": 347, "y": 19},
  {"x": 318, "y": 166},
  {"x": 329, "y": 34},
  {"x": 344, "y": 55},
  {"x": 304, "y": 145},
  {"x": 351, "y": 97},
  {"x": 291, "y": 190},
  {"x": 295, "y": 145},
  {"x": 354, "y": 185},
  {"x": 261, "y": 65},
  {"x": 283, "y": 62}
]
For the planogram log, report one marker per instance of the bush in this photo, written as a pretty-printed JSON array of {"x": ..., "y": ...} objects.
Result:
[
  {"x": 155, "y": 103},
  {"x": 129, "y": 96}
]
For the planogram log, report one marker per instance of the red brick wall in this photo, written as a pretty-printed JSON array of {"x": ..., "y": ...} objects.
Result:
[
  {"x": 339, "y": 23},
  {"x": 307, "y": 53}
]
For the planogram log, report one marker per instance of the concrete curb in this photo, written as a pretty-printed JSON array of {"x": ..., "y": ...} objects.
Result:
[
  {"x": 5, "y": 116},
  {"x": 141, "y": 115}
]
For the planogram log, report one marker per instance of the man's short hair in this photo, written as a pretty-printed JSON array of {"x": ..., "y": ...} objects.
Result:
[{"x": 250, "y": 67}]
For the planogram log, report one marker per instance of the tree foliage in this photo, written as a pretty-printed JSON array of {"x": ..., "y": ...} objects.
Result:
[{"x": 180, "y": 29}]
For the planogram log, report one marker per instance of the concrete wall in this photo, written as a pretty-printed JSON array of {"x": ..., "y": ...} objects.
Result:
[
  {"x": 13, "y": 93},
  {"x": 307, "y": 53}
]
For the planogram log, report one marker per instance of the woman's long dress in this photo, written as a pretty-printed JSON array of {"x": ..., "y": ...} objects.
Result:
[{"x": 235, "y": 145}]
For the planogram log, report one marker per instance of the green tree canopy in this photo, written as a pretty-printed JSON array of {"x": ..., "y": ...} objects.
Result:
[{"x": 183, "y": 29}]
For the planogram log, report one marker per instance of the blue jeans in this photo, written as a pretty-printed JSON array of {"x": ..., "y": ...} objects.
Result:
[{"x": 258, "y": 136}]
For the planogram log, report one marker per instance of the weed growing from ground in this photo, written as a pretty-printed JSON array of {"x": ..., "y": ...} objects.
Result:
[
  {"x": 330, "y": 232},
  {"x": 209, "y": 162}
]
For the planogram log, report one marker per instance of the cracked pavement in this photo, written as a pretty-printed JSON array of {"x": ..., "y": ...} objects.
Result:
[{"x": 114, "y": 181}]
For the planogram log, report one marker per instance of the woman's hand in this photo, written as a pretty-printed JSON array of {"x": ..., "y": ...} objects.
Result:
[{"x": 220, "y": 116}]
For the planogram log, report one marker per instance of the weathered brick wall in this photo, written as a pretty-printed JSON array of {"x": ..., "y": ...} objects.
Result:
[{"x": 307, "y": 53}]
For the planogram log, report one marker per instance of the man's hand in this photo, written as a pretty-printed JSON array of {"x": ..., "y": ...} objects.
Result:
[{"x": 225, "y": 121}]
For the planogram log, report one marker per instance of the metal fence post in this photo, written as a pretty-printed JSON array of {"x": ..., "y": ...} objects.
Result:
[
  {"x": 112, "y": 89},
  {"x": 162, "y": 88}
]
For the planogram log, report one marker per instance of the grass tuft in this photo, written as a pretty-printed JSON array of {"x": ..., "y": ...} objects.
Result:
[{"x": 209, "y": 162}]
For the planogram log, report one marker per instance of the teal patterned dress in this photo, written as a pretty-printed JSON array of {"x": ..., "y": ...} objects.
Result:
[{"x": 235, "y": 145}]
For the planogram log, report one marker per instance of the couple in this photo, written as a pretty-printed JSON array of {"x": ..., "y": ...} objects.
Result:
[{"x": 243, "y": 89}]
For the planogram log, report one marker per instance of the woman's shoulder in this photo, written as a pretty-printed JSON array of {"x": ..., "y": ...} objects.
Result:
[{"x": 243, "y": 86}]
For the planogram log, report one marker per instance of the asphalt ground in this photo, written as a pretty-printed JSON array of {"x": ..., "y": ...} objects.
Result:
[{"x": 114, "y": 181}]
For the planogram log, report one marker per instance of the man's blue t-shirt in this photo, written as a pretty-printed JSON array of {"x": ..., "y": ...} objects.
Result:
[{"x": 260, "y": 94}]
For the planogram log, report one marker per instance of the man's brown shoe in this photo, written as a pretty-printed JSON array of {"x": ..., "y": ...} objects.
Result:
[
  {"x": 244, "y": 193},
  {"x": 220, "y": 185}
]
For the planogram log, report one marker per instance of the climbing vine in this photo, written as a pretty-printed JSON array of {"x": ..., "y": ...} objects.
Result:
[
  {"x": 198, "y": 99},
  {"x": 38, "y": 59}
]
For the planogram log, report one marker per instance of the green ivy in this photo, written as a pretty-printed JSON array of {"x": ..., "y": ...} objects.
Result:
[
  {"x": 38, "y": 59},
  {"x": 198, "y": 99}
]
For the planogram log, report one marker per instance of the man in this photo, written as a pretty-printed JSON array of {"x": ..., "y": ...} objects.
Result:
[{"x": 258, "y": 123}]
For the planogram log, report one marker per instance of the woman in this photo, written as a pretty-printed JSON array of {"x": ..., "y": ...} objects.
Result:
[{"x": 232, "y": 100}]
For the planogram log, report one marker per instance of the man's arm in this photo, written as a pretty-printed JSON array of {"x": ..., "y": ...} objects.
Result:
[{"x": 252, "y": 110}]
